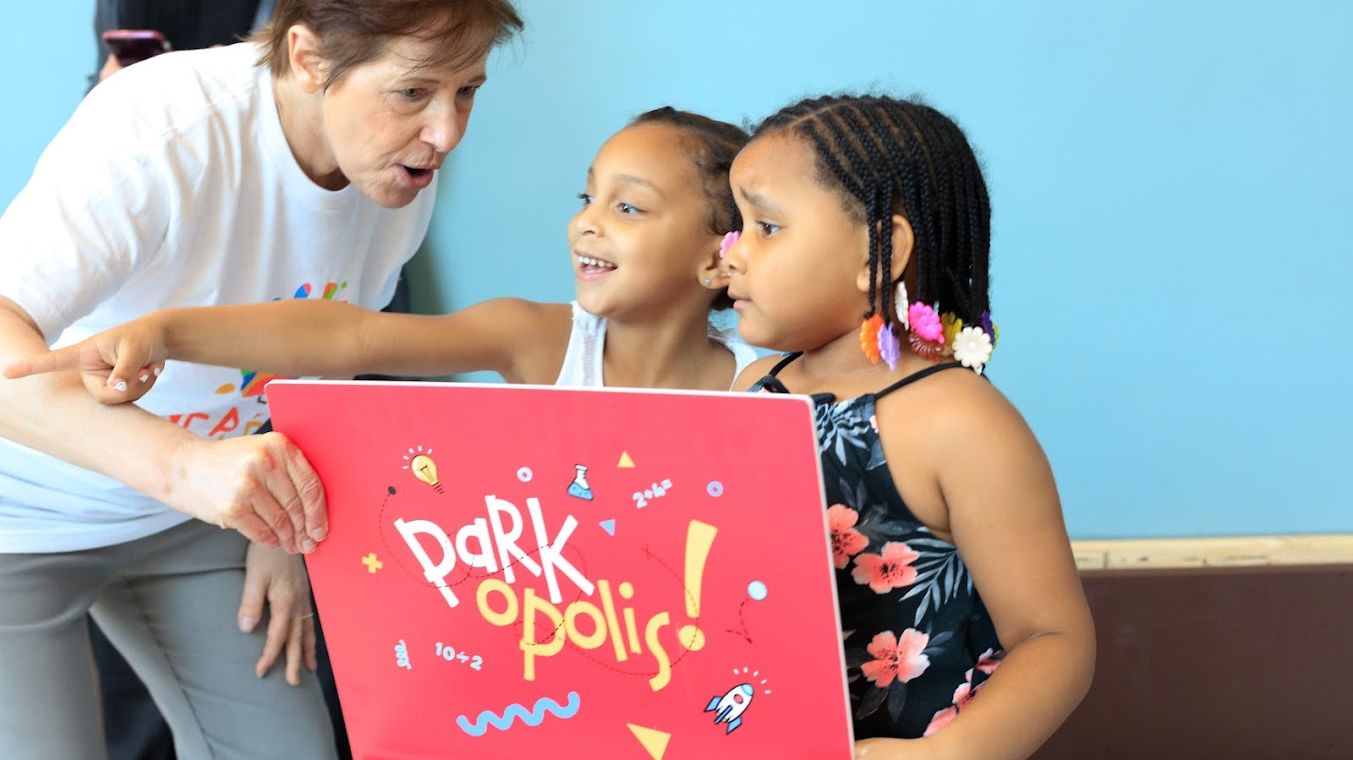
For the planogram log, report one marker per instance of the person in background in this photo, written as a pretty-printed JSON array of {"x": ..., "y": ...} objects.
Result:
[{"x": 185, "y": 24}]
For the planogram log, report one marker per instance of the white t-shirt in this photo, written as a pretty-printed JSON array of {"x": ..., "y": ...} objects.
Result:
[
  {"x": 173, "y": 185},
  {"x": 583, "y": 359}
]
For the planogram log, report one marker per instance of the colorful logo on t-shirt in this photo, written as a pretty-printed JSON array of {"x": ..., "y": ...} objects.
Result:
[{"x": 250, "y": 386}]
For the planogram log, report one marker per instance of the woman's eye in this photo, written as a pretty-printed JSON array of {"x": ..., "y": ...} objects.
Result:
[
  {"x": 412, "y": 93},
  {"x": 468, "y": 92}
]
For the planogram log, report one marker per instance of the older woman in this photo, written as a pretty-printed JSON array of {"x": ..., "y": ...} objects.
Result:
[{"x": 298, "y": 165}]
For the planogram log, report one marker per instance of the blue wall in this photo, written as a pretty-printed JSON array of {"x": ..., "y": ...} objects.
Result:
[
  {"x": 45, "y": 64},
  {"x": 1172, "y": 230}
]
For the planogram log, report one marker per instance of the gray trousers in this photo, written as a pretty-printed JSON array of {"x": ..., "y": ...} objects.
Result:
[{"x": 168, "y": 603}]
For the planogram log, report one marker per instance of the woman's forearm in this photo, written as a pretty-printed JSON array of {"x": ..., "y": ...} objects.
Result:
[{"x": 123, "y": 442}]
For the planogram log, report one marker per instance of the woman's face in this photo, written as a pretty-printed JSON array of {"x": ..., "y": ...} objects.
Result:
[{"x": 390, "y": 122}]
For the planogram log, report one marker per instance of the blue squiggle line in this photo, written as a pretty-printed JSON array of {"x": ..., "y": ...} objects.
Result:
[{"x": 515, "y": 711}]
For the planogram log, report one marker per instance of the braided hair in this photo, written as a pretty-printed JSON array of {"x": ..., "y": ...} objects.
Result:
[{"x": 883, "y": 156}]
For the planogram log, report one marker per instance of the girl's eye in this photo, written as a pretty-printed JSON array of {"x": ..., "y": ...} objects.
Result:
[
  {"x": 627, "y": 209},
  {"x": 768, "y": 229},
  {"x": 585, "y": 198}
]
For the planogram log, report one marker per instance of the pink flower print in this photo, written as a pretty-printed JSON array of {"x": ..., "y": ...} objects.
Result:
[
  {"x": 942, "y": 718},
  {"x": 729, "y": 240},
  {"x": 886, "y": 572},
  {"x": 896, "y": 660},
  {"x": 988, "y": 662},
  {"x": 963, "y": 695},
  {"x": 846, "y": 541}
]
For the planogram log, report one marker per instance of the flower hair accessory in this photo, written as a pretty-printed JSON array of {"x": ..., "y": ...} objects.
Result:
[
  {"x": 925, "y": 323},
  {"x": 900, "y": 305},
  {"x": 973, "y": 348},
  {"x": 890, "y": 350},
  {"x": 952, "y": 325},
  {"x": 869, "y": 338},
  {"x": 930, "y": 335},
  {"x": 729, "y": 240}
]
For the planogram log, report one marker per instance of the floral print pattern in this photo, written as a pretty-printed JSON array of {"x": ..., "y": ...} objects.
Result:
[
  {"x": 919, "y": 643},
  {"x": 883, "y": 573},
  {"x": 846, "y": 541},
  {"x": 902, "y": 660}
]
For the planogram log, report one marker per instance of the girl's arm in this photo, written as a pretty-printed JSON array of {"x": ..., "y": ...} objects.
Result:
[
  {"x": 300, "y": 337},
  {"x": 1005, "y": 518},
  {"x": 252, "y": 484}
]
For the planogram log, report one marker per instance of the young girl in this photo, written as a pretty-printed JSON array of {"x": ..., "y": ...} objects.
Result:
[
  {"x": 965, "y": 627},
  {"x": 646, "y": 253}
]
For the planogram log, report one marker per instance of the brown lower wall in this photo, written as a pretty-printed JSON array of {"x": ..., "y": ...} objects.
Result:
[{"x": 1233, "y": 663}]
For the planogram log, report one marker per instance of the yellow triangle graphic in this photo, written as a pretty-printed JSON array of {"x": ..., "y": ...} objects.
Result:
[
  {"x": 625, "y": 462},
  {"x": 653, "y": 740}
]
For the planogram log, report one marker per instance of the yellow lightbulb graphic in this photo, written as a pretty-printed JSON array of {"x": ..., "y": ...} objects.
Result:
[{"x": 425, "y": 470}]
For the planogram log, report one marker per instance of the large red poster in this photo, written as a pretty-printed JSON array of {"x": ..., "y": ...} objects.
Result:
[{"x": 536, "y": 572}]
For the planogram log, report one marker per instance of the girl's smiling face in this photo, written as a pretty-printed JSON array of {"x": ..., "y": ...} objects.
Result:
[{"x": 641, "y": 240}]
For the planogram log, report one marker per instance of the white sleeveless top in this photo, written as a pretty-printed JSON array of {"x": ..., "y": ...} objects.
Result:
[{"x": 583, "y": 360}]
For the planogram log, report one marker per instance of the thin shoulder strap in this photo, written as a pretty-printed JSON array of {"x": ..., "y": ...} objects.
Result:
[
  {"x": 909, "y": 379},
  {"x": 775, "y": 371}
]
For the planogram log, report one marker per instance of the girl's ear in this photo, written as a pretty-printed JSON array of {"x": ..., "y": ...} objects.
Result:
[
  {"x": 904, "y": 241},
  {"x": 713, "y": 272}
]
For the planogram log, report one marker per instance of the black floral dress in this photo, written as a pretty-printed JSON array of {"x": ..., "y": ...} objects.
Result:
[{"x": 919, "y": 642}]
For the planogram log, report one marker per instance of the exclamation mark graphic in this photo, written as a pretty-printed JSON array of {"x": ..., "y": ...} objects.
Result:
[{"x": 699, "y": 539}]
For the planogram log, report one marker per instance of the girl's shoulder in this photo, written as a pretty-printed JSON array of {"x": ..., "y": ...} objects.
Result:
[
  {"x": 755, "y": 371},
  {"x": 959, "y": 415}
]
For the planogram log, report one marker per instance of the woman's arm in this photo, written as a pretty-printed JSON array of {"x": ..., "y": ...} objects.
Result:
[{"x": 259, "y": 485}]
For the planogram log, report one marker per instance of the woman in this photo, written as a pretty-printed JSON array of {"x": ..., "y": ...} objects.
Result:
[{"x": 302, "y": 164}]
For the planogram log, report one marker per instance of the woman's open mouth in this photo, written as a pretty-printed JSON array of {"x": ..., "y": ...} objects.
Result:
[{"x": 418, "y": 177}]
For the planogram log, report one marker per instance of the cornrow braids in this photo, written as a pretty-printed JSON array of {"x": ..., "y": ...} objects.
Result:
[{"x": 886, "y": 156}]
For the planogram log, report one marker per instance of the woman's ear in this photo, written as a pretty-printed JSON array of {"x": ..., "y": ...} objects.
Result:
[
  {"x": 305, "y": 52},
  {"x": 904, "y": 241}
]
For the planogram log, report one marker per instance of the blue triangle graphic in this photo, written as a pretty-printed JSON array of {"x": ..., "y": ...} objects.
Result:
[{"x": 608, "y": 526}]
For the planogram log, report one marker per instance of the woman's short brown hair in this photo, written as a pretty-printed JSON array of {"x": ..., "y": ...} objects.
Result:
[{"x": 354, "y": 32}]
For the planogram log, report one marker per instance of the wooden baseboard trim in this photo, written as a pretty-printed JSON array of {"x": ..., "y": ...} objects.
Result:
[{"x": 1229, "y": 551}]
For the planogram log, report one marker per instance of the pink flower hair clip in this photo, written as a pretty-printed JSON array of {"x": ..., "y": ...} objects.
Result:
[{"x": 729, "y": 240}]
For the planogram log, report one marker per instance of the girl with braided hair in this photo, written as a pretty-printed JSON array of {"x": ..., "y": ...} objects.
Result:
[{"x": 867, "y": 226}]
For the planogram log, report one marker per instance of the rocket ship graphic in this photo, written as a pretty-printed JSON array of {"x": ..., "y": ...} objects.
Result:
[{"x": 730, "y": 707}]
